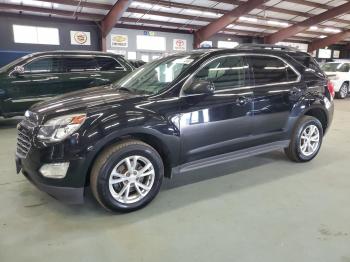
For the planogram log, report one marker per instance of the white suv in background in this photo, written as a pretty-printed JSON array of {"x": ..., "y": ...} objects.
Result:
[{"x": 339, "y": 74}]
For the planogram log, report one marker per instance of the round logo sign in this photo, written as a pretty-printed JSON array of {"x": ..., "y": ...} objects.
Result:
[
  {"x": 180, "y": 43},
  {"x": 80, "y": 37}
]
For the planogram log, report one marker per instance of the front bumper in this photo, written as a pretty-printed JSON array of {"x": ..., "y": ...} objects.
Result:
[{"x": 70, "y": 195}]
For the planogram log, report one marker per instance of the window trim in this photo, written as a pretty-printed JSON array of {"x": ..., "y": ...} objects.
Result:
[{"x": 190, "y": 78}]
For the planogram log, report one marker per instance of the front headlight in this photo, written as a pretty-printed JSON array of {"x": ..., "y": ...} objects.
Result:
[{"x": 59, "y": 128}]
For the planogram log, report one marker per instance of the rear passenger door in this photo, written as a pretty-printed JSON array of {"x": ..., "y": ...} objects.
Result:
[
  {"x": 110, "y": 70},
  {"x": 80, "y": 72},
  {"x": 276, "y": 88}
]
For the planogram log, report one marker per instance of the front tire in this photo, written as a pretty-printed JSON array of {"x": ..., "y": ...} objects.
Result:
[
  {"x": 127, "y": 176},
  {"x": 343, "y": 91},
  {"x": 306, "y": 140}
]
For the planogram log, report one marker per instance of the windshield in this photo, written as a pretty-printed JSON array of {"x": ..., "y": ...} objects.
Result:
[
  {"x": 154, "y": 77},
  {"x": 18, "y": 60},
  {"x": 336, "y": 67}
]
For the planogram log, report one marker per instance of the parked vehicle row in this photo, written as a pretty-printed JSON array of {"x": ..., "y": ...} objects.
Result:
[
  {"x": 339, "y": 74},
  {"x": 174, "y": 115},
  {"x": 40, "y": 76}
]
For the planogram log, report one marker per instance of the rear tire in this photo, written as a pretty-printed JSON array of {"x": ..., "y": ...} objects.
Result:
[
  {"x": 127, "y": 176},
  {"x": 343, "y": 91},
  {"x": 306, "y": 140}
]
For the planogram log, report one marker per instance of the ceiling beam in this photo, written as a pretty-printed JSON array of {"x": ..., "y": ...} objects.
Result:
[
  {"x": 195, "y": 27},
  {"x": 302, "y": 26},
  {"x": 211, "y": 29},
  {"x": 114, "y": 15},
  {"x": 290, "y": 12},
  {"x": 205, "y": 9},
  {"x": 330, "y": 40}
]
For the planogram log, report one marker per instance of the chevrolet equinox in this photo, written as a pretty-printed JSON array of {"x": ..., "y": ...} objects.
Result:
[{"x": 177, "y": 114}]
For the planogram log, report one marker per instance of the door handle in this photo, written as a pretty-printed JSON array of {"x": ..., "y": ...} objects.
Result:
[{"x": 242, "y": 100}]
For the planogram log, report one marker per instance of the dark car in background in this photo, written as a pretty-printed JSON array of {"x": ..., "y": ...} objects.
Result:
[
  {"x": 39, "y": 76},
  {"x": 174, "y": 115},
  {"x": 137, "y": 63}
]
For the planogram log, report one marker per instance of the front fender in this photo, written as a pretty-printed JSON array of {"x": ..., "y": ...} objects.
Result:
[{"x": 106, "y": 131}]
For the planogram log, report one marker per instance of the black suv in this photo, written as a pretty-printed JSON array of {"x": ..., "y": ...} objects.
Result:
[
  {"x": 40, "y": 76},
  {"x": 176, "y": 114}
]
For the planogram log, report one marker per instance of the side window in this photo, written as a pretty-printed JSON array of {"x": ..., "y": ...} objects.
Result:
[
  {"x": 80, "y": 64},
  {"x": 269, "y": 70},
  {"x": 108, "y": 64},
  {"x": 226, "y": 72},
  {"x": 345, "y": 68},
  {"x": 43, "y": 65}
]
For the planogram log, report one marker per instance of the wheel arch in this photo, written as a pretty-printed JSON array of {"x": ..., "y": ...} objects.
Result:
[
  {"x": 319, "y": 114},
  {"x": 157, "y": 140}
]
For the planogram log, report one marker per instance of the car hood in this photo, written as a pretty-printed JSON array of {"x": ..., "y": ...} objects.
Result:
[{"x": 84, "y": 100}]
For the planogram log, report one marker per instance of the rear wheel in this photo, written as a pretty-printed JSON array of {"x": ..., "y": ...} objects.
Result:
[
  {"x": 343, "y": 91},
  {"x": 127, "y": 176},
  {"x": 306, "y": 140}
]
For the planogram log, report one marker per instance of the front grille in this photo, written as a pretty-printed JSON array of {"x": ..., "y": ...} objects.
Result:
[
  {"x": 23, "y": 142},
  {"x": 25, "y": 134}
]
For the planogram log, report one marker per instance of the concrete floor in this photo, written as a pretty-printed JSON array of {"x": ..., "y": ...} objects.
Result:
[{"x": 260, "y": 209}]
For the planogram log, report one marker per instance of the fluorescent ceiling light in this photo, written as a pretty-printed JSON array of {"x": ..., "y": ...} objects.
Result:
[
  {"x": 332, "y": 30},
  {"x": 192, "y": 11},
  {"x": 211, "y": 14},
  {"x": 272, "y": 22},
  {"x": 249, "y": 19},
  {"x": 143, "y": 5}
]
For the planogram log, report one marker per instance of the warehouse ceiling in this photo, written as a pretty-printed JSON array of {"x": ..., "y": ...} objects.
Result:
[{"x": 265, "y": 19}]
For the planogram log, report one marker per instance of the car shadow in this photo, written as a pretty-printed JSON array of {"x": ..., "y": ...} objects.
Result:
[{"x": 175, "y": 193}]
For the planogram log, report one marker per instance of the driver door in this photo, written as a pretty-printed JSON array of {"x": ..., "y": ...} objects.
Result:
[
  {"x": 221, "y": 122},
  {"x": 40, "y": 80}
]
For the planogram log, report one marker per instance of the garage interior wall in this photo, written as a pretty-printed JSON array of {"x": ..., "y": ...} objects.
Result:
[
  {"x": 10, "y": 50},
  {"x": 132, "y": 46}
]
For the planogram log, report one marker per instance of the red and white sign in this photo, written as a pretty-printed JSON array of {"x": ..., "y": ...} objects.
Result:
[{"x": 179, "y": 44}]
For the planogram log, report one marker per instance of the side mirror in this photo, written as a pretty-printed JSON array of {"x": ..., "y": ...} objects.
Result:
[
  {"x": 200, "y": 87},
  {"x": 17, "y": 71}
]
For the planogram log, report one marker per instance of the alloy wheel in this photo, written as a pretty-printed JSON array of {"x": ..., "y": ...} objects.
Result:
[
  {"x": 344, "y": 91},
  {"x": 131, "y": 179},
  {"x": 309, "y": 140}
]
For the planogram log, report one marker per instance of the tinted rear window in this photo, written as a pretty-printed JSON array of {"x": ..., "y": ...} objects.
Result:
[
  {"x": 80, "y": 64},
  {"x": 270, "y": 70},
  {"x": 108, "y": 64}
]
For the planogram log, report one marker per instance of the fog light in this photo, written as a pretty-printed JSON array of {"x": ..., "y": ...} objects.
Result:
[{"x": 55, "y": 170}]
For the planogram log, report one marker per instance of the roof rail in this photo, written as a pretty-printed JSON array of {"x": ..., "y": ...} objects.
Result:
[{"x": 266, "y": 46}]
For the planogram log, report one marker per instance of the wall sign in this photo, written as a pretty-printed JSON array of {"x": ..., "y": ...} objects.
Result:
[
  {"x": 150, "y": 33},
  {"x": 80, "y": 38},
  {"x": 336, "y": 53},
  {"x": 179, "y": 45},
  {"x": 227, "y": 44},
  {"x": 119, "y": 40}
]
